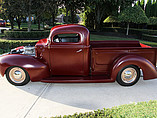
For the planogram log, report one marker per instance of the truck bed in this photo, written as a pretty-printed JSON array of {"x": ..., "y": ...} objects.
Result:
[
  {"x": 116, "y": 43},
  {"x": 104, "y": 54}
]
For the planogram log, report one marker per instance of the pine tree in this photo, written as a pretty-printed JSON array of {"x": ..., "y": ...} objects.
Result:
[
  {"x": 142, "y": 4},
  {"x": 148, "y": 8}
]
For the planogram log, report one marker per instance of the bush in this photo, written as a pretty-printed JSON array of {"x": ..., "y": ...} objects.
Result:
[
  {"x": 149, "y": 37},
  {"x": 152, "y": 21},
  {"x": 139, "y": 110},
  {"x": 137, "y": 32},
  {"x": 26, "y": 35},
  {"x": 7, "y": 45}
]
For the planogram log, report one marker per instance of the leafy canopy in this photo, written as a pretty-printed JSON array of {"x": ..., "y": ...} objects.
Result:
[
  {"x": 133, "y": 14},
  {"x": 111, "y": 19}
]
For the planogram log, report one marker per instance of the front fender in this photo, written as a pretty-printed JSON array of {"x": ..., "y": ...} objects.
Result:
[
  {"x": 36, "y": 68},
  {"x": 149, "y": 70}
]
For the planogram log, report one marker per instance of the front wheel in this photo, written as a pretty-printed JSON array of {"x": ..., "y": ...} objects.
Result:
[
  {"x": 17, "y": 76},
  {"x": 128, "y": 76}
]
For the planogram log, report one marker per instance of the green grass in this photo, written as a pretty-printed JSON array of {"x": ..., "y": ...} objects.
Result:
[
  {"x": 25, "y": 25},
  {"x": 139, "y": 110},
  {"x": 101, "y": 37}
]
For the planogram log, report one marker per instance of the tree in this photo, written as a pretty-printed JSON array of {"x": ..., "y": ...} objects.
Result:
[
  {"x": 142, "y": 4},
  {"x": 111, "y": 19},
  {"x": 103, "y": 8},
  {"x": 133, "y": 15},
  {"x": 148, "y": 8},
  {"x": 9, "y": 11},
  {"x": 72, "y": 8},
  {"x": 152, "y": 21},
  {"x": 153, "y": 9}
]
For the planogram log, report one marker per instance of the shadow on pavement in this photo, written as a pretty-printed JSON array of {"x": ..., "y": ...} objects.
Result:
[{"x": 93, "y": 95}]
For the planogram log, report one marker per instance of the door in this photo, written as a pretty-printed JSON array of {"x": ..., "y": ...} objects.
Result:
[{"x": 66, "y": 55}]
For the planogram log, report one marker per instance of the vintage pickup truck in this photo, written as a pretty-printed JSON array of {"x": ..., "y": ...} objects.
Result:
[{"x": 68, "y": 56}]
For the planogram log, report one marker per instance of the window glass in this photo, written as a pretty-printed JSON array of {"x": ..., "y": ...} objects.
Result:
[{"x": 69, "y": 38}]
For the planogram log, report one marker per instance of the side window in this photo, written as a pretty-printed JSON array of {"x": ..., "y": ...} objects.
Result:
[{"x": 66, "y": 38}]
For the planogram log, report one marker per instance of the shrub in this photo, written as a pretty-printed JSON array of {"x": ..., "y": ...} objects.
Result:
[
  {"x": 7, "y": 45},
  {"x": 149, "y": 37},
  {"x": 139, "y": 110},
  {"x": 152, "y": 21},
  {"x": 26, "y": 35},
  {"x": 137, "y": 32}
]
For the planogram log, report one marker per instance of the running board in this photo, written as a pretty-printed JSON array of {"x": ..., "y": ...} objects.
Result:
[{"x": 88, "y": 79}]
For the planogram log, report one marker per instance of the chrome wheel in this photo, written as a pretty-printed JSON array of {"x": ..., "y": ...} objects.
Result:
[
  {"x": 129, "y": 75},
  {"x": 17, "y": 75}
]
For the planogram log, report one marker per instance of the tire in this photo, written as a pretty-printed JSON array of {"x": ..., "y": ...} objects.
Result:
[
  {"x": 17, "y": 76},
  {"x": 128, "y": 76}
]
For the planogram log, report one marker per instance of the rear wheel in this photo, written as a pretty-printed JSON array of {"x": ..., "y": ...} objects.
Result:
[
  {"x": 17, "y": 76},
  {"x": 128, "y": 76}
]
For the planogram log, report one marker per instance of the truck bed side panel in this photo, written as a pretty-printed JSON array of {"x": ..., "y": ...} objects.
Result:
[{"x": 104, "y": 58}]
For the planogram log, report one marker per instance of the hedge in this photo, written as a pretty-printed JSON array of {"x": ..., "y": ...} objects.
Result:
[
  {"x": 137, "y": 32},
  {"x": 139, "y": 110},
  {"x": 26, "y": 35},
  {"x": 148, "y": 37},
  {"x": 7, "y": 45}
]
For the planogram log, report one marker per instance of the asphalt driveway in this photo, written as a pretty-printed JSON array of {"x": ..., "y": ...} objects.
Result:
[{"x": 48, "y": 99}]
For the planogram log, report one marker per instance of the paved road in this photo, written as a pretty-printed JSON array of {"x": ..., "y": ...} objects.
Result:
[{"x": 45, "y": 99}]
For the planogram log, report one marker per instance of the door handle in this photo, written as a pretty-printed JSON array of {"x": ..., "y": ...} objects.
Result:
[{"x": 79, "y": 50}]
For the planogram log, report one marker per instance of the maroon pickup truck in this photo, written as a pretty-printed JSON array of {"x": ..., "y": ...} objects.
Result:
[{"x": 68, "y": 56}]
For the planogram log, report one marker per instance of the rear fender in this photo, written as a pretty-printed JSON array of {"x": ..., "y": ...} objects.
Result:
[
  {"x": 36, "y": 68},
  {"x": 149, "y": 70}
]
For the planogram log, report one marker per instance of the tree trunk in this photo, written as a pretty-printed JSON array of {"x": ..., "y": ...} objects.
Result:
[
  {"x": 53, "y": 19},
  {"x": 66, "y": 17},
  {"x": 18, "y": 21},
  {"x": 127, "y": 32},
  {"x": 11, "y": 22},
  {"x": 12, "y": 25},
  {"x": 29, "y": 16},
  {"x": 19, "y": 24},
  {"x": 98, "y": 19},
  {"x": 39, "y": 23},
  {"x": 72, "y": 15}
]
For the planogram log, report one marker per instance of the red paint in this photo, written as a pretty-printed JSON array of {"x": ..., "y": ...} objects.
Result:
[
  {"x": 21, "y": 47},
  {"x": 145, "y": 46},
  {"x": 84, "y": 61}
]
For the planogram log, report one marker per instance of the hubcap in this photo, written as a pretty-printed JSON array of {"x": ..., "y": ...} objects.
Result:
[
  {"x": 17, "y": 75},
  {"x": 129, "y": 75}
]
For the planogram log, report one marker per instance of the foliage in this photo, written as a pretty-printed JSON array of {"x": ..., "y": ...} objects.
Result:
[
  {"x": 133, "y": 14},
  {"x": 72, "y": 8},
  {"x": 98, "y": 10},
  {"x": 148, "y": 9},
  {"x": 152, "y": 21},
  {"x": 75, "y": 19},
  {"x": 111, "y": 19},
  {"x": 148, "y": 37},
  {"x": 7, "y": 45},
  {"x": 26, "y": 35},
  {"x": 139, "y": 110}
]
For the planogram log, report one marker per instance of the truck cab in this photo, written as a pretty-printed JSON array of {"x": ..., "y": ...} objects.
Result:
[{"x": 67, "y": 50}]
